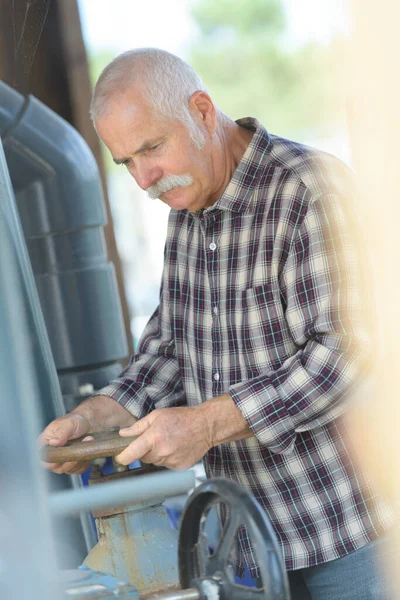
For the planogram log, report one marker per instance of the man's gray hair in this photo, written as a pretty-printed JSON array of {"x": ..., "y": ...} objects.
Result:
[{"x": 167, "y": 83}]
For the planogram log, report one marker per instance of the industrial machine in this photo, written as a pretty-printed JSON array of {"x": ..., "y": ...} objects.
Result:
[
  {"x": 138, "y": 543},
  {"x": 202, "y": 576},
  {"x": 62, "y": 337}
]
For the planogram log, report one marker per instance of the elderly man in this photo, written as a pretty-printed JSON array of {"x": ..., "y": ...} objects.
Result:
[{"x": 254, "y": 350}]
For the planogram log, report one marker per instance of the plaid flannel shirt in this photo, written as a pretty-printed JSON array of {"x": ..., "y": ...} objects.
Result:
[{"x": 259, "y": 298}]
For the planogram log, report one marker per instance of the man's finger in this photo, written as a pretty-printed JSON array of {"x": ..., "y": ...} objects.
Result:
[
  {"x": 68, "y": 467},
  {"x": 57, "y": 436},
  {"x": 136, "y": 429},
  {"x": 79, "y": 467},
  {"x": 71, "y": 468},
  {"x": 50, "y": 466},
  {"x": 135, "y": 451},
  {"x": 41, "y": 441}
]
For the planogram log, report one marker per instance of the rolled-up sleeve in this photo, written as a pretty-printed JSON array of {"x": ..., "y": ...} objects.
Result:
[
  {"x": 152, "y": 379},
  {"x": 320, "y": 287}
]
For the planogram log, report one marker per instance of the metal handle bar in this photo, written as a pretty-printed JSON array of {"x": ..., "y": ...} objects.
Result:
[{"x": 105, "y": 443}]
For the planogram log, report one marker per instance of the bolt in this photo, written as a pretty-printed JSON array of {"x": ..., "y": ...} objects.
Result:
[
  {"x": 95, "y": 472},
  {"x": 119, "y": 468}
]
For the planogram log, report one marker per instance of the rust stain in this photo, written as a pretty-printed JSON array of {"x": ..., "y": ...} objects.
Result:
[{"x": 137, "y": 556}]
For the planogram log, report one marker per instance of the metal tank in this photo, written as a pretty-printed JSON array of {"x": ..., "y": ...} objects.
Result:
[
  {"x": 61, "y": 208},
  {"x": 55, "y": 213}
]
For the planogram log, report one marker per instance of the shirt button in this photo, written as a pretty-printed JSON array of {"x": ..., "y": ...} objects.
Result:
[
  {"x": 215, "y": 310},
  {"x": 213, "y": 246},
  {"x": 216, "y": 376}
]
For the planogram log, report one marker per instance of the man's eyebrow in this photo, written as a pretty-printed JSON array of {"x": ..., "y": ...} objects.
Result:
[
  {"x": 145, "y": 146},
  {"x": 120, "y": 161}
]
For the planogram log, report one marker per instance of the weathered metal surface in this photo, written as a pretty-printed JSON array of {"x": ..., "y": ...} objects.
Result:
[
  {"x": 136, "y": 541},
  {"x": 118, "y": 509},
  {"x": 127, "y": 508},
  {"x": 105, "y": 444},
  {"x": 138, "y": 546}
]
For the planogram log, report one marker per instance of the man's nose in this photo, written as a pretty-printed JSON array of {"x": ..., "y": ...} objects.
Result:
[{"x": 147, "y": 176}]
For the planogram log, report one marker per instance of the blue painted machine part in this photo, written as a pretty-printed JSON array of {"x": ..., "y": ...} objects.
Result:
[
  {"x": 138, "y": 545},
  {"x": 136, "y": 541}
]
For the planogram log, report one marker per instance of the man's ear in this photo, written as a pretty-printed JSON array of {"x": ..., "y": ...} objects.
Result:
[{"x": 203, "y": 110}]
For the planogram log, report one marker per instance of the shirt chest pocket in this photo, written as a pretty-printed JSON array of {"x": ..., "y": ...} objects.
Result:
[{"x": 262, "y": 328}]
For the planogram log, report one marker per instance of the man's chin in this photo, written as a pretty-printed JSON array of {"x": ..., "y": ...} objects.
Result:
[{"x": 175, "y": 198}]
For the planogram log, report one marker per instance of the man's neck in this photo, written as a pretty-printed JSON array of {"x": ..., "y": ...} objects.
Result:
[{"x": 231, "y": 143}]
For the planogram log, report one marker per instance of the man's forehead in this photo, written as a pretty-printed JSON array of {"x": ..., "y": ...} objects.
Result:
[
  {"x": 125, "y": 119},
  {"x": 123, "y": 109}
]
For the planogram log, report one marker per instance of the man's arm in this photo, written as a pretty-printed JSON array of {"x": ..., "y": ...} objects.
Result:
[
  {"x": 152, "y": 379},
  {"x": 102, "y": 412},
  {"x": 321, "y": 285},
  {"x": 178, "y": 438}
]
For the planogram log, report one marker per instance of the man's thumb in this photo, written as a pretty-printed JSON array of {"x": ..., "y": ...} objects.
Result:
[{"x": 69, "y": 428}]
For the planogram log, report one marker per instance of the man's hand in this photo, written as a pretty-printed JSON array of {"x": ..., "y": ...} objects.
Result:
[
  {"x": 176, "y": 438},
  {"x": 58, "y": 433},
  {"x": 98, "y": 413}
]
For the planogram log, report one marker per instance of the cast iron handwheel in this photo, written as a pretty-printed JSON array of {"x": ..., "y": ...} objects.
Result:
[{"x": 197, "y": 566}]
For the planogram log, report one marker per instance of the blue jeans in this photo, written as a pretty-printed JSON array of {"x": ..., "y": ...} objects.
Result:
[{"x": 361, "y": 575}]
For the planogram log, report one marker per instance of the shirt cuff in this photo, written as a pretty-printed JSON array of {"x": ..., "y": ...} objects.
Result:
[
  {"x": 265, "y": 414},
  {"x": 137, "y": 402}
]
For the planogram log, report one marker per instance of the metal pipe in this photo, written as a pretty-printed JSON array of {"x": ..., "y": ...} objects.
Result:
[
  {"x": 139, "y": 489},
  {"x": 190, "y": 594}
]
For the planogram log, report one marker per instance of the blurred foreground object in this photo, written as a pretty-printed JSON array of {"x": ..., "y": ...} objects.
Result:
[{"x": 375, "y": 132}]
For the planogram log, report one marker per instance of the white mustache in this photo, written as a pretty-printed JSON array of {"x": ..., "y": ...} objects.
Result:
[{"x": 167, "y": 183}]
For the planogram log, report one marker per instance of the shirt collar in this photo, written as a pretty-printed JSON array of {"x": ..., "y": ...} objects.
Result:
[{"x": 238, "y": 194}]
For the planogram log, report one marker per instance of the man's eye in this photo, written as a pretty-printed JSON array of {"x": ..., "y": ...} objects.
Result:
[{"x": 152, "y": 148}]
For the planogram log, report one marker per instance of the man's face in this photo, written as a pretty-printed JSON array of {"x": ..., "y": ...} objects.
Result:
[{"x": 159, "y": 155}]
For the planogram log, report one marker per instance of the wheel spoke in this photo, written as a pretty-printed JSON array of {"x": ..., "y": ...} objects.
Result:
[
  {"x": 219, "y": 559},
  {"x": 201, "y": 550}
]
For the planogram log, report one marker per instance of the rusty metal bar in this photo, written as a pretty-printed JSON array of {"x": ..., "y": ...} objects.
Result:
[
  {"x": 104, "y": 444},
  {"x": 138, "y": 489}
]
